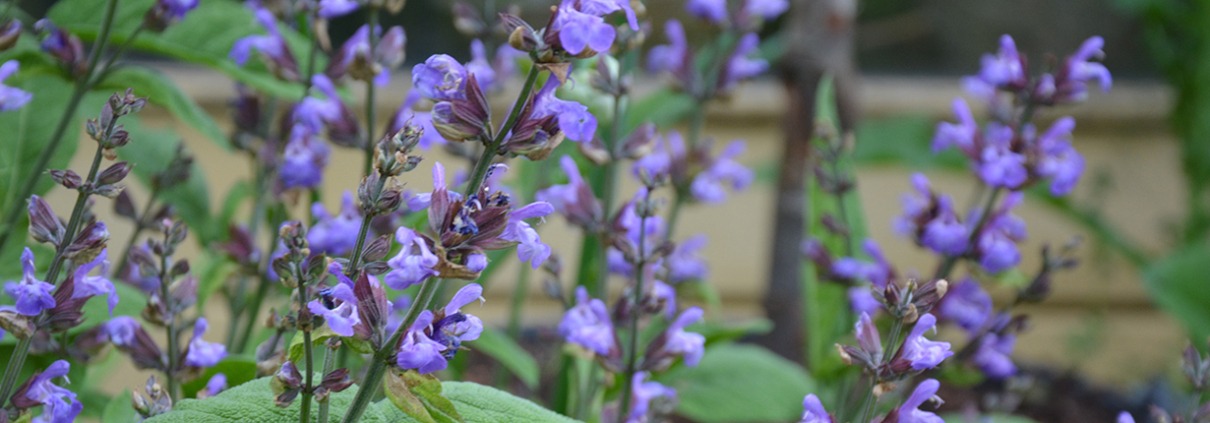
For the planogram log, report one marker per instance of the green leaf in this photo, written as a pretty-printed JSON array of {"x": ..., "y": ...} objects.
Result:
[
  {"x": 484, "y": 404},
  {"x": 238, "y": 370},
  {"x": 419, "y": 396},
  {"x": 663, "y": 107},
  {"x": 504, "y": 350},
  {"x": 120, "y": 410},
  {"x": 161, "y": 91},
  {"x": 986, "y": 418},
  {"x": 131, "y": 302},
  {"x": 740, "y": 383},
  {"x": 150, "y": 150},
  {"x": 195, "y": 39},
  {"x": 213, "y": 272},
  {"x": 1178, "y": 284},
  {"x": 318, "y": 336},
  {"x": 719, "y": 333}
]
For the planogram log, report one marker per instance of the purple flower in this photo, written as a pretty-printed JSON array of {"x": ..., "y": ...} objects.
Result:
[
  {"x": 660, "y": 162},
  {"x": 861, "y": 300},
  {"x": 303, "y": 162},
  {"x": 945, "y": 234},
  {"x": 479, "y": 66},
  {"x": 271, "y": 45},
  {"x": 457, "y": 327},
  {"x": 201, "y": 353},
  {"x": 60, "y": 405},
  {"x": 175, "y": 9},
  {"x": 1060, "y": 161},
  {"x": 1005, "y": 70},
  {"x": 967, "y": 304},
  {"x": 961, "y": 134},
  {"x": 1125, "y": 417},
  {"x": 11, "y": 98},
  {"x": 878, "y": 272},
  {"x": 651, "y": 228},
  {"x": 813, "y": 411},
  {"x": 440, "y": 78},
  {"x": 998, "y": 240},
  {"x": 89, "y": 286},
  {"x": 388, "y": 53},
  {"x": 922, "y": 353},
  {"x": 574, "y": 118},
  {"x": 579, "y": 31},
  {"x": 1079, "y": 70},
  {"x": 742, "y": 64},
  {"x": 994, "y": 357},
  {"x": 868, "y": 338},
  {"x": 121, "y": 330},
  {"x": 529, "y": 246},
  {"x": 574, "y": 200},
  {"x": 606, "y": 7},
  {"x": 686, "y": 344},
  {"x": 670, "y": 57},
  {"x": 766, "y": 9},
  {"x": 684, "y": 264},
  {"x": 342, "y": 317},
  {"x": 910, "y": 411},
  {"x": 708, "y": 186},
  {"x": 418, "y": 351},
  {"x": 414, "y": 263},
  {"x": 714, "y": 11},
  {"x": 335, "y": 235},
  {"x": 587, "y": 324},
  {"x": 998, "y": 165},
  {"x": 32, "y": 295},
  {"x": 216, "y": 384},
  {"x": 642, "y": 394},
  {"x": 329, "y": 9}
]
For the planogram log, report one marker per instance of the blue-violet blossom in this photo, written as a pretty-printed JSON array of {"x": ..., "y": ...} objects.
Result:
[{"x": 11, "y": 98}]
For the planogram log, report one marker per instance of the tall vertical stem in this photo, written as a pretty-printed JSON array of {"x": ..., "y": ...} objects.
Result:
[
  {"x": 171, "y": 323},
  {"x": 304, "y": 324},
  {"x": 370, "y": 96},
  {"x": 632, "y": 344},
  {"x": 329, "y": 359}
]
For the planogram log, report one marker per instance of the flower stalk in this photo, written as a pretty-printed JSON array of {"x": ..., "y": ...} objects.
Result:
[{"x": 632, "y": 343}]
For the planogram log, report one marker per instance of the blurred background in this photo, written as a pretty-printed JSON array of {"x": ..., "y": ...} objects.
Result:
[{"x": 1120, "y": 319}]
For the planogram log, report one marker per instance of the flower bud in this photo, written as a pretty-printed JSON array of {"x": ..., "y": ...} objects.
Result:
[
  {"x": 114, "y": 173},
  {"x": 9, "y": 33},
  {"x": 44, "y": 226}
]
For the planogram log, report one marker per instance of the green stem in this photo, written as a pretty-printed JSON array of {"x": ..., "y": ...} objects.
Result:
[
  {"x": 170, "y": 322},
  {"x": 14, "y": 367},
  {"x": 329, "y": 355},
  {"x": 262, "y": 290},
  {"x": 632, "y": 344},
  {"x": 608, "y": 186},
  {"x": 308, "y": 360},
  {"x": 382, "y": 357},
  {"x": 485, "y": 161},
  {"x": 355, "y": 255},
  {"x": 696, "y": 122},
  {"x": 108, "y": 67},
  {"x": 77, "y": 95},
  {"x": 370, "y": 96}
]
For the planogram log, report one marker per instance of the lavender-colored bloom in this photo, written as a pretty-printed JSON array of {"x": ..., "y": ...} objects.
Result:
[
  {"x": 1060, "y": 161},
  {"x": 684, "y": 264},
  {"x": 313, "y": 113},
  {"x": 388, "y": 52},
  {"x": 606, "y": 7},
  {"x": 922, "y": 353},
  {"x": 967, "y": 305},
  {"x": 910, "y": 411},
  {"x": 176, "y": 9},
  {"x": 335, "y": 235},
  {"x": 32, "y": 295},
  {"x": 414, "y": 263},
  {"x": 868, "y": 338},
  {"x": 686, "y": 344},
  {"x": 878, "y": 272},
  {"x": 329, "y": 9},
  {"x": 945, "y": 234},
  {"x": 340, "y": 318},
  {"x": 216, "y": 384},
  {"x": 669, "y": 57},
  {"x": 60, "y": 405},
  {"x": 579, "y": 31},
  {"x": 570, "y": 199},
  {"x": 272, "y": 45},
  {"x": 457, "y": 327},
  {"x": 587, "y": 324},
  {"x": 11, "y": 98},
  {"x": 742, "y": 65},
  {"x": 440, "y": 78},
  {"x": 303, "y": 162},
  {"x": 121, "y": 330},
  {"x": 714, "y": 11},
  {"x": 89, "y": 286},
  {"x": 1125, "y": 417},
  {"x": 861, "y": 300},
  {"x": 1080, "y": 70},
  {"x": 766, "y": 9},
  {"x": 708, "y": 186},
  {"x": 1005, "y": 68},
  {"x": 994, "y": 357},
  {"x": 418, "y": 351},
  {"x": 202, "y": 353},
  {"x": 813, "y": 411},
  {"x": 476, "y": 262},
  {"x": 998, "y": 252},
  {"x": 574, "y": 118},
  {"x": 998, "y": 165},
  {"x": 642, "y": 393},
  {"x": 961, "y": 134},
  {"x": 529, "y": 246}
]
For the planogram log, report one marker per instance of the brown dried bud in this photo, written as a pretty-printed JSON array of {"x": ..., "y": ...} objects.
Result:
[
  {"x": 114, "y": 173},
  {"x": 67, "y": 178}
]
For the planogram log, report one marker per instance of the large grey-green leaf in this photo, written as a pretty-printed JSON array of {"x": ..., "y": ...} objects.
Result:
[
  {"x": 253, "y": 402},
  {"x": 1178, "y": 283},
  {"x": 504, "y": 350},
  {"x": 740, "y": 383},
  {"x": 204, "y": 37},
  {"x": 238, "y": 369},
  {"x": 161, "y": 91},
  {"x": 119, "y": 410}
]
